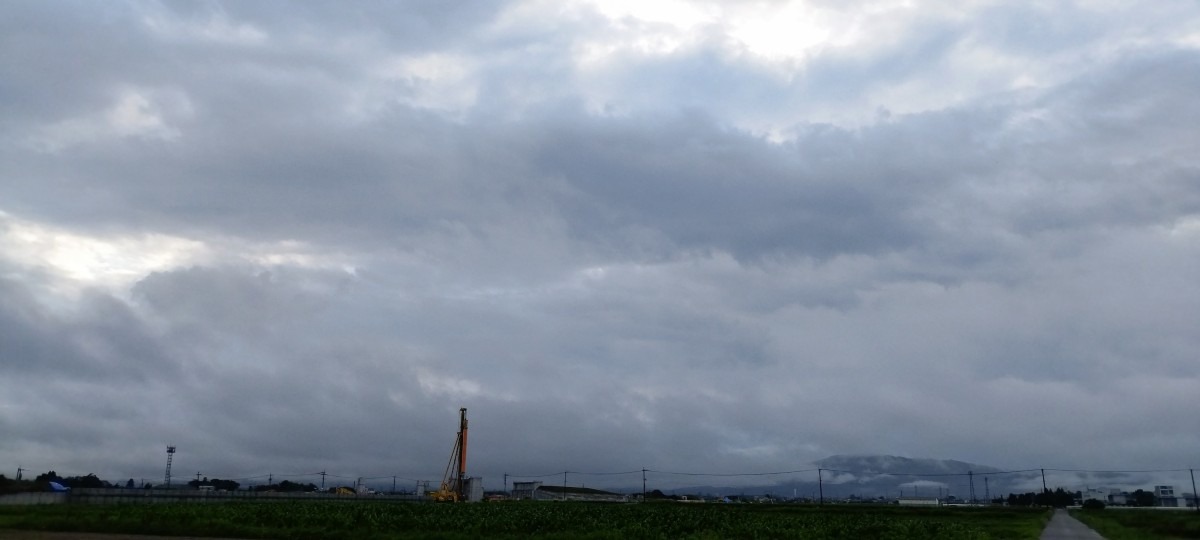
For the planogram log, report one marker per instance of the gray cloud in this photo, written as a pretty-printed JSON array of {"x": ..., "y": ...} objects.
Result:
[{"x": 299, "y": 240}]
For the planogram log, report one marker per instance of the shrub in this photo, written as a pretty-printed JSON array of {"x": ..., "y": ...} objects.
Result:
[{"x": 1093, "y": 504}]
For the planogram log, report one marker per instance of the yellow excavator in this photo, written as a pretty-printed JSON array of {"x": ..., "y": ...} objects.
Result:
[{"x": 455, "y": 477}]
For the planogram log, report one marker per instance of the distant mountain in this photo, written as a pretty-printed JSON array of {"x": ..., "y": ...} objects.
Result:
[
  {"x": 874, "y": 464},
  {"x": 872, "y": 476},
  {"x": 891, "y": 476}
]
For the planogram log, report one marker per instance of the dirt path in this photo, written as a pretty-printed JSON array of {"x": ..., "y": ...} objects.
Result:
[{"x": 1064, "y": 527}]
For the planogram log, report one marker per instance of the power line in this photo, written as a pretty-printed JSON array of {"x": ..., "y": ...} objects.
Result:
[
  {"x": 395, "y": 476},
  {"x": 632, "y": 472},
  {"x": 605, "y": 473},
  {"x": 732, "y": 474},
  {"x": 1119, "y": 472},
  {"x": 534, "y": 475}
]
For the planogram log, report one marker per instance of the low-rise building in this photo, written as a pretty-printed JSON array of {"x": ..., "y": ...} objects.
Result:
[
  {"x": 1099, "y": 494},
  {"x": 537, "y": 491},
  {"x": 1165, "y": 496},
  {"x": 919, "y": 501},
  {"x": 523, "y": 491}
]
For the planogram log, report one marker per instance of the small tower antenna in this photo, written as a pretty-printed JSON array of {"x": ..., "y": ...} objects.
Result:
[{"x": 170, "y": 456}]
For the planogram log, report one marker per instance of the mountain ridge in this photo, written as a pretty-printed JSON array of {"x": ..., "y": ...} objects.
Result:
[
  {"x": 890, "y": 464},
  {"x": 863, "y": 476}
]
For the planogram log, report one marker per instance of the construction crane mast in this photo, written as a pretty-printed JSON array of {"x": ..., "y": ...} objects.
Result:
[{"x": 453, "y": 486}]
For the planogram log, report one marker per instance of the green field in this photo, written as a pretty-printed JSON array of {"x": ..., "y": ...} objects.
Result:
[
  {"x": 1141, "y": 524},
  {"x": 373, "y": 520}
]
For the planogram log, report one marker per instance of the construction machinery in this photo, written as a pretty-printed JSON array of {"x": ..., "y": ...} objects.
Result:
[{"x": 453, "y": 487}]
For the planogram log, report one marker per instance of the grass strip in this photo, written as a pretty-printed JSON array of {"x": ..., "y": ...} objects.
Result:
[{"x": 545, "y": 520}]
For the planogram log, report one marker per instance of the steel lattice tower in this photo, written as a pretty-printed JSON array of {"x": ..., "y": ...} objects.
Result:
[{"x": 170, "y": 455}]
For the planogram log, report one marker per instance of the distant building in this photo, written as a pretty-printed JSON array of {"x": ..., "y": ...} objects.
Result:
[
  {"x": 1165, "y": 496},
  {"x": 523, "y": 491},
  {"x": 919, "y": 501},
  {"x": 536, "y": 491},
  {"x": 1098, "y": 494},
  {"x": 474, "y": 489}
]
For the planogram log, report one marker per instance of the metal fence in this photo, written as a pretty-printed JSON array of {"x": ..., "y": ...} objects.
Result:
[
  {"x": 151, "y": 496},
  {"x": 1169, "y": 486}
]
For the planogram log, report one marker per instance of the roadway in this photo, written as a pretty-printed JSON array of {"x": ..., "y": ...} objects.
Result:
[{"x": 1064, "y": 527}]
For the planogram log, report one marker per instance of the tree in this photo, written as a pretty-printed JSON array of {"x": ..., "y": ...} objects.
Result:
[
  {"x": 89, "y": 481},
  {"x": 287, "y": 486},
  {"x": 225, "y": 485},
  {"x": 49, "y": 476},
  {"x": 10, "y": 485},
  {"x": 129, "y": 484},
  {"x": 1093, "y": 504},
  {"x": 1059, "y": 498},
  {"x": 1143, "y": 498},
  {"x": 1023, "y": 499}
]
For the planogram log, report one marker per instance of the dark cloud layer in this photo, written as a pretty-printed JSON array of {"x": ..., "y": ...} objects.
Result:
[{"x": 290, "y": 240}]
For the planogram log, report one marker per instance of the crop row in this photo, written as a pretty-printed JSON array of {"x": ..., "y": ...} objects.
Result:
[{"x": 525, "y": 520}]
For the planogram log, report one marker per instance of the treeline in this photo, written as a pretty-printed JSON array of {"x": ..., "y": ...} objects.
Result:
[
  {"x": 42, "y": 483},
  {"x": 287, "y": 486},
  {"x": 1059, "y": 498}
]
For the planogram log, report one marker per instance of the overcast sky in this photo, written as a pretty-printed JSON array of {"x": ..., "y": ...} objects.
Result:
[{"x": 689, "y": 236}]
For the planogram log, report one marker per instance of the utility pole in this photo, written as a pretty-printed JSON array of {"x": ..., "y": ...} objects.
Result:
[
  {"x": 1044, "y": 488},
  {"x": 821, "y": 486},
  {"x": 644, "y": 484},
  {"x": 987, "y": 493},
  {"x": 322, "y": 480},
  {"x": 564, "y": 485},
  {"x": 1195, "y": 495},
  {"x": 20, "y": 470},
  {"x": 506, "y": 482},
  {"x": 393, "y": 485},
  {"x": 971, "y": 478},
  {"x": 197, "y": 477},
  {"x": 270, "y": 478}
]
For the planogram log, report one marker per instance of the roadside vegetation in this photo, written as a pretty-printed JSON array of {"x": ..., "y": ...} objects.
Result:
[
  {"x": 548, "y": 520},
  {"x": 1141, "y": 524}
]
